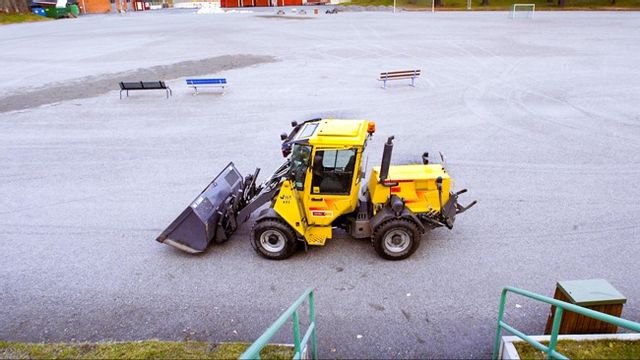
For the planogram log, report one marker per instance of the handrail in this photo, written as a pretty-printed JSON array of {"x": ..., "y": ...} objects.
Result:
[
  {"x": 253, "y": 352},
  {"x": 561, "y": 306}
]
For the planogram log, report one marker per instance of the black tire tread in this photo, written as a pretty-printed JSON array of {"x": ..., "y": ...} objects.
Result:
[
  {"x": 380, "y": 230},
  {"x": 280, "y": 225}
]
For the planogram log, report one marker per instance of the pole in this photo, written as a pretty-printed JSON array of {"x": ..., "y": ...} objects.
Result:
[
  {"x": 394, "y": 6},
  {"x": 433, "y": 6}
]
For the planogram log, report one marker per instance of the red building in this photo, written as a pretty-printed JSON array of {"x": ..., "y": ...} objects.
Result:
[
  {"x": 253, "y": 3},
  {"x": 94, "y": 6}
]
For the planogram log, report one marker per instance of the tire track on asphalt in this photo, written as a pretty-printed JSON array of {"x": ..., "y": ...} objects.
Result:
[
  {"x": 516, "y": 98},
  {"x": 91, "y": 86},
  {"x": 520, "y": 103}
]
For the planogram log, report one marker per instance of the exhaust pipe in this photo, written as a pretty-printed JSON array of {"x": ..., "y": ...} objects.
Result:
[{"x": 386, "y": 159}]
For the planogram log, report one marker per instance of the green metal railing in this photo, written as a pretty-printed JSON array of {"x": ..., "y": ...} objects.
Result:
[
  {"x": 253, "y": 352},
  {"x": 561, "y": 306}
]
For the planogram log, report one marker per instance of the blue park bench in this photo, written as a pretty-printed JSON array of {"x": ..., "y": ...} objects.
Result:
[{"x": 198, "y": 83}]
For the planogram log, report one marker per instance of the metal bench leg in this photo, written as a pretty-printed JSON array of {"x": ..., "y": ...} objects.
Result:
[
  {"x": 412, "y": 81},
  {"x": 196, "y": 89},
  {"x": 384, "y": 84},
  {"x": 127, "y": 93},
  {"x": 223, "y": 90},
  {"x": 120, "y": 94}
]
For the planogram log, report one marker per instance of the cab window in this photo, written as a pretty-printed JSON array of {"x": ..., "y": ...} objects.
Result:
[
  {"x": 333, "y": 171},
  {"x": 308, "y": 130},
  {"x": 300, "y": 157}
]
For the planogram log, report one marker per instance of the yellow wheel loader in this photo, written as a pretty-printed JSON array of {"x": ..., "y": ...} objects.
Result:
[{"x": 318, "y": 189}]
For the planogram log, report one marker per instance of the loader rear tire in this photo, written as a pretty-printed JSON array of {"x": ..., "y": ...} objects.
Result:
[
  {"x": 396, "y": 239},
  {"x": 273, "y": 239}
]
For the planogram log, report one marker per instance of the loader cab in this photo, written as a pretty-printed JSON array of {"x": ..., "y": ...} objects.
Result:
[
  {"x": 326, "y": 167},
  {"x": 333, "y": 170}
]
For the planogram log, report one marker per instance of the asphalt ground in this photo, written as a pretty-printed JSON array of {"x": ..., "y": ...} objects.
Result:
[{"x": 538, "y": 118}]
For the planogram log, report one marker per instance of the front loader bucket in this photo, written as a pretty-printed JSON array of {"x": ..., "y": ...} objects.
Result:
[{"x": 196, "y": 226}]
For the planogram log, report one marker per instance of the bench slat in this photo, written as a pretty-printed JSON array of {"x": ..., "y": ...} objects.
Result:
[
  {"x": 130, "y": 85},
  {"x": 206, "y": 81},
  {"x": 392, "y": 75},
  {"x": 213, "y": 82},
  {"x": 153, "y": 85},
  {"x": 400, "y": 72},
  {"x": 143, "y": 85},
  {"x": 399, "y": 75}
]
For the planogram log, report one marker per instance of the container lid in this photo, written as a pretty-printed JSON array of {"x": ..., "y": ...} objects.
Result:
[{"x": 591, "y": 292}]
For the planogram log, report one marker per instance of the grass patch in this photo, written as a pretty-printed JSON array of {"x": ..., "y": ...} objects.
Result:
[
  {"x": 596, "y": 349},
  {"x": 20, "y": 18},
  {"x": 151, "y": 349},
  {"x": 506, "y": 4}
]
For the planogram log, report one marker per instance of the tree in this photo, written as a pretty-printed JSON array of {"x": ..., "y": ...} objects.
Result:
[
  {"x": 14, "y": 6},
  {"x": 485, "y": 2}
]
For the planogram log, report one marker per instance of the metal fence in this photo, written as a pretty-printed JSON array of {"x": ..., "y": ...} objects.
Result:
[
  {"x": 253, "y": 352},
  {"x": 561, "y": 306}
]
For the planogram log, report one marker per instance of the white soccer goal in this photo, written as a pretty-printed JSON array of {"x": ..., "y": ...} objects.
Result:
[{"x": 527, "y": 10}]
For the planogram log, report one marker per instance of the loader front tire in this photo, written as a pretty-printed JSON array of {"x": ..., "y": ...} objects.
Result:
[
  {"x": 396, "y": 239},
  {"x": 273, "y": 239}
]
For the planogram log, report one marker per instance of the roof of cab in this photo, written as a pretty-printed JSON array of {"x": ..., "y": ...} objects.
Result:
[{"x": 335, "y": 132}]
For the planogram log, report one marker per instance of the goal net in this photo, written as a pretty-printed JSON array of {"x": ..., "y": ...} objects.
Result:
[{"x": 523, "y": 11}]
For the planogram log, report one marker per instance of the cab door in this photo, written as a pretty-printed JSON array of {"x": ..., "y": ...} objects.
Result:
[{"x": 331, "y": 185}]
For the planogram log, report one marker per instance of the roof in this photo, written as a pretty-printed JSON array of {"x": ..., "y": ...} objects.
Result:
[{"x": 335, "y": 132}]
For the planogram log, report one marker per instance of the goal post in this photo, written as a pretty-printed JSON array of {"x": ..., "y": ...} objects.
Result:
[{"x": 527, "y": 9}]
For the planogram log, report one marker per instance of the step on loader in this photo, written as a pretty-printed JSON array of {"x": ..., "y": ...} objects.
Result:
[{"x": 318, "y": 189}]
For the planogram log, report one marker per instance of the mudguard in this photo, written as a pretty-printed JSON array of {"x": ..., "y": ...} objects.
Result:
[{"x": 386, "y": 213}]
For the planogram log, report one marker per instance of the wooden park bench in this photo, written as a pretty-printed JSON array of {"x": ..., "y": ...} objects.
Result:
[
  {"x": 399, "y": 75},
  {"x": 196, "y": 83},
  {"x": 144, "y": 85}
]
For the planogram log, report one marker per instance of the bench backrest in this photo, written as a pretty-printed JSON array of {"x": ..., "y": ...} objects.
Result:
[
  {"x": 141, "y": 85},
  {"x": 153, "y": 85},
  {"x": 405, "y": 74},
  {"x": 206, "y": 81}
]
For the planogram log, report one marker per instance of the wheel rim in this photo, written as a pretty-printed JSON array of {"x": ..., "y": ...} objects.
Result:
[
  {"x": 272, "y": 241},
  {"x": 397, "y": 240}
]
